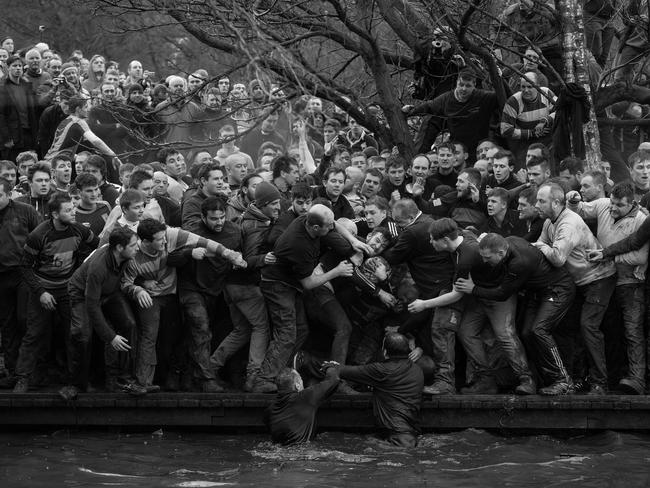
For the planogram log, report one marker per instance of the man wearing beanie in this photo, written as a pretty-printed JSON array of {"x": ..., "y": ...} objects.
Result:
[{"x": 243, "y": 295}]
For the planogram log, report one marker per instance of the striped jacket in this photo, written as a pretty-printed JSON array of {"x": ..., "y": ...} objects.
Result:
[
  {"x": 146, "y": 267},
  {"x": 520, "y": 117}
]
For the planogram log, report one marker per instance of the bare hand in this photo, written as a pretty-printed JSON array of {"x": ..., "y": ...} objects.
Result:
[
  {"x": 595, "y": 254},
  {"x": 395, "y": 196},
  {"x": 301, "y": 128},
  {"x": 522, "y": 175},
  {"x": 9, "y": 144},
  {"x": 416, "y": 354},
  {"x": 344, "y": 268},
  {"x": 417, "y": 306},
  {"x": 407, "y": 108},
  {"x": 359, "y": 246},
  {"x": 464, "y": 285},
  {"x": 150, "y": 285},
  {"x": 540, "y": 129},
  {"x": 199, "y": 253},
  {"x": 236, "y": 259},
  {"x": 119, "y": 343},
  {"x": 474, "y": 192},
  {"x": 387, "y": 299},
  {"x": 270, "y": 258},
  {"x": 48, "y": 302},
  {"x": 144, "y": 299}
]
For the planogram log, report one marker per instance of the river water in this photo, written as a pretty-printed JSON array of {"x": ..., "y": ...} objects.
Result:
[{"x": 470, "y": 458}]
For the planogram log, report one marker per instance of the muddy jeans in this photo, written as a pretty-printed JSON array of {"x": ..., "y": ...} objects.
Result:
[
  {"x": 501, "y": 316},
  {"x": 250, "y": 323}
]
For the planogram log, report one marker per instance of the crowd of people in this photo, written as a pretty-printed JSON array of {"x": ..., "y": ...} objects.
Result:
[{"x": 193, "y": 234}]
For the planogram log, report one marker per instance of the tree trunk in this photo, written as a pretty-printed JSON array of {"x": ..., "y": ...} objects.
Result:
[{"x": 575, "y": 66}]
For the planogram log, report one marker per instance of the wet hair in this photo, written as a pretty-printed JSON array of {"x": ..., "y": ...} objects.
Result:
[
  {"x": 85, "y": 180},
  {"x": 120, "y": 236},
  {"x": 493, "y": 242},
  {"x": 447, "y": 145},
  {"x": 624, "y": 189},
  {"x": 129, "y": 197},
  {"x": 286, "y": 379},
  {"x": 444, "y": 227},
  {"x": 546, "y": 154},
  {"x": 211, "y": 204},
  {"x": 39, "y": 168},
  {"x": 61, "y": 156},
  {"x": 57, "y": 200},
  {"x": 246, "y": 180},
  {"x": 138, "y": 176},
  {"x": 396, "y": 344},
  {"x": 150, "y": 227}
]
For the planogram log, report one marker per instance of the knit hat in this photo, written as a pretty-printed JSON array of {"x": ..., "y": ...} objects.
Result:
[
  {"x": 265, "y": 193},
  {"x": 67, "y": 66}
]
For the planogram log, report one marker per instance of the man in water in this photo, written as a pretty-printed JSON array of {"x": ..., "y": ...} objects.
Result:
[
  {"x": 291, "y": 418},
  {"x": 397, "y": 389}
]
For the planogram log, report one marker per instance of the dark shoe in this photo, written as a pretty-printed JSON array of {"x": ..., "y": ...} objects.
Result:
[
  {"x": 152, "y": 388},
  {"x": 439, "y": 388},
  {"x": 211, "y": 386},
  {"x": 526, "y": 386},
  {"x": 134, "y": 389},
  {"x": 22, "y": 386},
  {"x": 8, "y": 382},
  {"x": 345, "y": 389},
  {"x": 579, "y": 387},
  {"x": 557, "y": 388},
  {"x": 114, "y": 385},
  {"x": 628, "y": 386},
  {"x": 485, "y": 385},
  {"x": 596, "y": 390},
  {"x": 69, "y": 392},
  {"x": 262, "y": 386},
  {"x": 250, "y": 383}
]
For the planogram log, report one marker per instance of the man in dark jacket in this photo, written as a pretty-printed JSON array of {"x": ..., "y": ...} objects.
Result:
[
  {"x": 397, "y": 386},
  {"x": 96, "y": 302}
]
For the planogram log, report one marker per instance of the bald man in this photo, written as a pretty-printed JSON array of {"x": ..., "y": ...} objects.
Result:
[{"x": 295, "y": 256}]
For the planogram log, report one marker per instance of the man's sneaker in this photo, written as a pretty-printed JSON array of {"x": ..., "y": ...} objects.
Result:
[
  {"x": 22, "y": 386},
  {"x": 558, "y": 388},
  {"x": 628, "y": 386},
  {"x": 344, "y": 388},
  {"x": 69, "y": 392},
  {"x": 526, "y": 386},
  {"x": 485, "y": 385},
  {"x": 134, "y": 389},
  {"x": 211, "y": 386},
  {"x": 263, "y": 386},
  {"x": 596, "y": 390},
  {"x": 152, "y": 388},
  {"x": 439, "y": 388}
]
